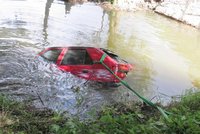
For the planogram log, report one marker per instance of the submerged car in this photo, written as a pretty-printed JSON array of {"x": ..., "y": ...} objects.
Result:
[{"x": 84, "y": 62}]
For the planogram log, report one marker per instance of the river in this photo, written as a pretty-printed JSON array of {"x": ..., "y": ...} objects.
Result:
[{"x": 165, "y": 53}]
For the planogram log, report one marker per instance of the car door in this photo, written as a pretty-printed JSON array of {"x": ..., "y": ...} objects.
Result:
[
  {"x": 100, "y": 73},
  {"x": 78, "y": 62}
]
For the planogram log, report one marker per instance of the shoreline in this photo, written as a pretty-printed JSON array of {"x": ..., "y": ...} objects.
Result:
[
  {"x": 185, "y": 12},
  {"x": 16, "y": 117}
]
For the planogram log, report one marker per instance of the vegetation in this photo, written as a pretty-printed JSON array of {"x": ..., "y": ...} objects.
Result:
[{"x": 18, "y": 118}]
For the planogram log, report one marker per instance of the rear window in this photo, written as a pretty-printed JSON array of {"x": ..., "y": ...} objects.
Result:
[
  {"x": 113, "y": 56},
  {"x": 52, "y": 55},
  {"x": 77, "y": 57}
]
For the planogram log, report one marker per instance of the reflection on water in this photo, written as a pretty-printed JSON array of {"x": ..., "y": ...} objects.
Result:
[
  {"x": 45, "y": 25},
  {"x": 165, "y": 53},
  {"x": 186, "y": 43},
  {"x": 125, "y": 42}
]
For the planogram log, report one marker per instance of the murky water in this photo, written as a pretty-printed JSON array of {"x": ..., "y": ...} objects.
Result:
[{"x": 166, "y": 53}]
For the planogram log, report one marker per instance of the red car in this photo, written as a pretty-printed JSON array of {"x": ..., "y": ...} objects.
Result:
[{"x": 84, "y": 62}]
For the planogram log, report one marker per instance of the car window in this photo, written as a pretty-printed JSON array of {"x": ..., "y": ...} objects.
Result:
[
  {"x": 114, "y": 56},
  {"x": 52, "y": 55},
  {"x": 111, "y": 54},
  {"x": 76, "y": 57}
]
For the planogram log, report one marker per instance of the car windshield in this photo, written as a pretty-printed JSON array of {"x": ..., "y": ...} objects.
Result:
[{"x": 52, "y": 55}]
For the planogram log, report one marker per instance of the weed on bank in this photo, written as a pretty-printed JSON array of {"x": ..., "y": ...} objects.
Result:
[{"x": 119, "y": 119}]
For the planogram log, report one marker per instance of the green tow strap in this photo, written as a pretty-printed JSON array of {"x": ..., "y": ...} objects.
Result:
[{"x": 163, "y": 112}]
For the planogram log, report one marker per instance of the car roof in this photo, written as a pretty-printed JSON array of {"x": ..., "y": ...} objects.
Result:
[{"x": 75, "y": 47}]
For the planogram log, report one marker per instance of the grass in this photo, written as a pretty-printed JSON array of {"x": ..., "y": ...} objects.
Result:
[
  {"x": 119, "y": 119},
  {"x": 19, "y": 118}
]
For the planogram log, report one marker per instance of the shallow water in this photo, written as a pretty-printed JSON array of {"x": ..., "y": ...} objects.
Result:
[{"x": 165, "y": 53}]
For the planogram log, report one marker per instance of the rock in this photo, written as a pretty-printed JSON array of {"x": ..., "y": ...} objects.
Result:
[
  {"x": 187, "y": 11},
  {"x": 129, "y": 5}
]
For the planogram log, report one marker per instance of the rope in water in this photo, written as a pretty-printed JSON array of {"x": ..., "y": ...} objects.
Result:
[{"x": 148, "y": 102}]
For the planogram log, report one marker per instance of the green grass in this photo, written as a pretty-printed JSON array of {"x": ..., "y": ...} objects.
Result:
[
  {"x": 119, "y": 119},
  {"x": 19, "y": 118}
]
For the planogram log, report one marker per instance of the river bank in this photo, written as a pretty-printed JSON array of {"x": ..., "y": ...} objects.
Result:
[
  {"x": 187, "y": 11},
  {"x": 19, "y": 118}
]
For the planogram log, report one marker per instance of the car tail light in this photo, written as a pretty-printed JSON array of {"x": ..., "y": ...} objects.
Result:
[
  {"x": 122, "y": 75},
  {"x": 125, "y": 68},
  {"x": 130, "y": 67}
]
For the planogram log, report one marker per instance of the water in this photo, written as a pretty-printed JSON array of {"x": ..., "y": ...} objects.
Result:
[{"x": 165, "y": 53}]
